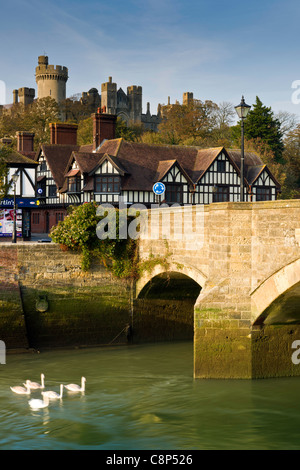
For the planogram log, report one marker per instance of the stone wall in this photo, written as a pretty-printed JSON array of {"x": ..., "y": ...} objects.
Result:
[
  {"x": 12, "y": 320},
  {"x": 59, "y": 304},
  {"x": 47, "y": 301}
]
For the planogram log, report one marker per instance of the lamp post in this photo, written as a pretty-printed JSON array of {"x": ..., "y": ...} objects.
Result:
[
  {"x": 14, "y": 178},
  {"x": 242, "y": 110}
]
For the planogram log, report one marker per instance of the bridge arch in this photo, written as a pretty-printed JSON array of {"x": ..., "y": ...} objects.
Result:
[
  {"x": 163, "y": 308},
  {"x": 174, "y": 267},
  {"x": 273, "y": 288}
]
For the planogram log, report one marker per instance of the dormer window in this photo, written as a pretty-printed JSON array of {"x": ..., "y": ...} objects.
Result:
[
  {"x": 221, "y": 166},
  {"x": 74, "y": 184},
  {"x": 107, "y": 184},
  {"x": 221, "y": 193},
  {"x": 263, "y": 193},
  {"x": 174, "y": 193}
]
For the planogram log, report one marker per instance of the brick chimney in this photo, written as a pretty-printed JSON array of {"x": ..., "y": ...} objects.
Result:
[
  {"x": 104, "y": 127},
  {"x": 25, "y": 141},
  {"x": 6, "y": 141},
  {"x": 63, "y": 134}
]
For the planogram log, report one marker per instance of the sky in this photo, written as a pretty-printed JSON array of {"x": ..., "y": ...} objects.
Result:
[{"x": 219, "y": 50}]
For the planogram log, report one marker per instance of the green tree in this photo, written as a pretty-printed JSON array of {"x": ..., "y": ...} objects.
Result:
[
  {"x": 85, "y": 131},
  {"x": 131, "y": 132},
  {"x": 261, "y": 124}
]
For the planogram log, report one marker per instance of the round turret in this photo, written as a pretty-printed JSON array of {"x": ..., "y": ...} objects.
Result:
[{"x": 51, "y": 80}]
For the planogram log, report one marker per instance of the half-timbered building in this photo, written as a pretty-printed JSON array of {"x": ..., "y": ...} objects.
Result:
[
  {"x": 113, "y": 168},
  {"x": 24, "y": 194}
]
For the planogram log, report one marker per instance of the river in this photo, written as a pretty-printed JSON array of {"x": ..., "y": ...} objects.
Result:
[{"x": 144, "y": 397}]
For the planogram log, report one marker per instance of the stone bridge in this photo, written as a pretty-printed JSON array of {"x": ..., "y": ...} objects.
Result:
[{"x": 245, "y": 260}]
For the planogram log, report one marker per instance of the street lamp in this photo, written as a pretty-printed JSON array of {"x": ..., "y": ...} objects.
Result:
[
  {"x": 242, "y": 110},
  {"x": 14, "y": 179}
]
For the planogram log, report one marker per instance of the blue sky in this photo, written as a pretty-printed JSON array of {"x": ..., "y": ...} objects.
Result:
[{"x": 217, "y": 49}]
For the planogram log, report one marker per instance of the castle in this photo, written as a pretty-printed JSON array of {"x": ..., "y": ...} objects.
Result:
[
  {"x": 51, "y": 81},
  {"x": 127, "y": 106}
]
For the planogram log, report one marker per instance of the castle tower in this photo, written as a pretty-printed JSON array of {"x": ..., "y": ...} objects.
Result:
[
  {"x": 51, "y": 80},
  {"x": 15, "y": 96},
  {"x": 26, "y": 95},
  {"x": 187, "y": 98},
  {"x": 109, "y": 97},
  {"x": 134, "y": 94}
]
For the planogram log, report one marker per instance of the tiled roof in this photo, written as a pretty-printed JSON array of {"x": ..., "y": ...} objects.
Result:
[
  {"x": 16, "y": 158},
  {"x": 87, "y": 161},
  {"x": 72, "y": 173},
  {"x": 141, "y": 165},
  {"x": 58, "y": 157}
]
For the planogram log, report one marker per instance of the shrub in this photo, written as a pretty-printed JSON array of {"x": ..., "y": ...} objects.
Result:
[{"x": 78, "y": 232}]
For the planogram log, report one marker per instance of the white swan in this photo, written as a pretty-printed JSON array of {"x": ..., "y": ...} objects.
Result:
[
  {"x": 21, "y": 390},
  {"x": 35, "y": 385},
  {"x": 37, "y": 404},
  {"x": 77, "y": 388},
  {"x": 53, "y": 395}
]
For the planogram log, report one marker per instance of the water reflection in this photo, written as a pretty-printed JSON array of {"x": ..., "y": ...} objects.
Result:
[{"x": 145, "y": 397}]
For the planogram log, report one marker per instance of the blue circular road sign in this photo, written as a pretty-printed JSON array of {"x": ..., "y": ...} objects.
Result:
[{"x": 159, "y": 188}]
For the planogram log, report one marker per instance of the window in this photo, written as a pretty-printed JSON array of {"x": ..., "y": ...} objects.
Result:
[
  {"x": 221, "y": 166},
  {"x": 35, "y": 218},
  {"x": 43, "y": 166},
  {"x": 221, "y": 194},
  {"x": 59, "y": 216},
  {"x": 107, "y": 184},
  {"x": 52, "y": 190},
  {"x": 263, "y": 193},
  {"x": 174, "y": 193},
  {"x": 74, "y": 184}
]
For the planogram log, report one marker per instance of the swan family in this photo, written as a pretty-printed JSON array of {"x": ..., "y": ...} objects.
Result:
[{"x": 36, "y": 403}]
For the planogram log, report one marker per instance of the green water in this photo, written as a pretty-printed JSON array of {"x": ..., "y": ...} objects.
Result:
[{"x": 144, "y": 397}]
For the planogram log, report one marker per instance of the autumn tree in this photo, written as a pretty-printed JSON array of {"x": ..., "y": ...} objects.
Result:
[
  {"x": 75, "y": 110},
  {"x": 183, "y": 124},
  {"x": 35, "y": 117}
]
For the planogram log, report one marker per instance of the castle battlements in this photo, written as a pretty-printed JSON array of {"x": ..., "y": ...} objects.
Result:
[
  {"x": 51, "y": 79},
  {"x": 134, "y": 89},
  {"x": 51, "y": 69}
]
